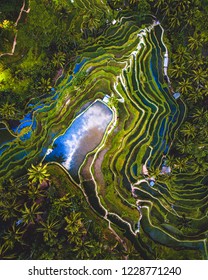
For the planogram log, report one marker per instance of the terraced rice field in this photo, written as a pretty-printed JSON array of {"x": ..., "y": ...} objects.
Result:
[{"x": 117, "y": 175}]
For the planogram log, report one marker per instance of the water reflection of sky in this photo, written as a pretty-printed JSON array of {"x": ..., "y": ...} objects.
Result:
[
  {"x": 79, "y": 65},
  {"x": 83, "y": 136}
]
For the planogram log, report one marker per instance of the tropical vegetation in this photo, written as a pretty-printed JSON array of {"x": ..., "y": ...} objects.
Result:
[{"x": 43, "y": 213}]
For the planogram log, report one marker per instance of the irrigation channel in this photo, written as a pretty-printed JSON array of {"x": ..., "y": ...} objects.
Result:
[{"x": 107, "y": 150}]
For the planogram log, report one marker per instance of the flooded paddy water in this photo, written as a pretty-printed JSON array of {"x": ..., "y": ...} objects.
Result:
[{"x": 83, "y": 135}]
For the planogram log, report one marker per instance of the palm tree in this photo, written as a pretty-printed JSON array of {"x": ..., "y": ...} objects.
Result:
[
  {"x": 166, "y": 9},
  {"x": 49, "y": 228},
  {"x": 5, "y": 252},
  {"x": 188, "y": 130},
  {"x": 35, "y": 192},
  {"x": 174, "y": 20},
  {"x": 190, "y": 17},
  {"x": 13, "y": 235},
  {"x": 11, "y": 190},
  {"x": 199, "y": 75},
  {"x": 201, "y": 165},
  {"x": 195, "y": 60},
  {"x": 74, "y": 239},
  {"x": 38, "y": 173},
  {"x": 181, "y": 164},
  {"x": 203, "y": 131},
  {"x": 30, "y": 214},
  {"x": 184, "y": 146},
  {"x": 16, "y": 188},
  {"x": 8, "y": 111},
  {"x": 181, "y": 55},
  {"x": 185, "y": 86},
  {"x": 163, "y": 7},
  {"x": 199, "y": 113},
  {"x": 159, "y": 3},
  {"x": 75, "y": 228},
  {"x": 195, "y": 42},
  {"x": 195, "y": 96},
  {"x": 59, "y": 59},
  {"x": 170, "y": 160},
  {"x": 9, "y": 209},
  {"x": 205, "y": 89},
  {"x": 84, "y": 250},
  {"x": 62, "y": 204},
  {"x": 178, "y": 71},
  {"x": 183, "y": 6},
  {"x": 74, "y": 223},
  {"x": 44, "y": 85}
]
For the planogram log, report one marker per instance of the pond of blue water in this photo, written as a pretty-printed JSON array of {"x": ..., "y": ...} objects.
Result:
[
  {"x": 79, "y": 65},
  {"x": 83, "y": 135}
]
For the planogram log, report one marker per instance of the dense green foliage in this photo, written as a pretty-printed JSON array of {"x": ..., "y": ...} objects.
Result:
[
  {"x": 48, "y": 38},
  {"x": 50, "y": 220},
  {"x": 38, "y": 214},
  {"x": 187, "y": 38}
]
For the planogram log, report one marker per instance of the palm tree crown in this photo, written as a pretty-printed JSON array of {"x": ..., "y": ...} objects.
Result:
[{"x": 38, "y": 173}]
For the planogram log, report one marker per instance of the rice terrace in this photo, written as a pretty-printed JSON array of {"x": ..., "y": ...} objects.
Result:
[{"x": 103, "y": 149}]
